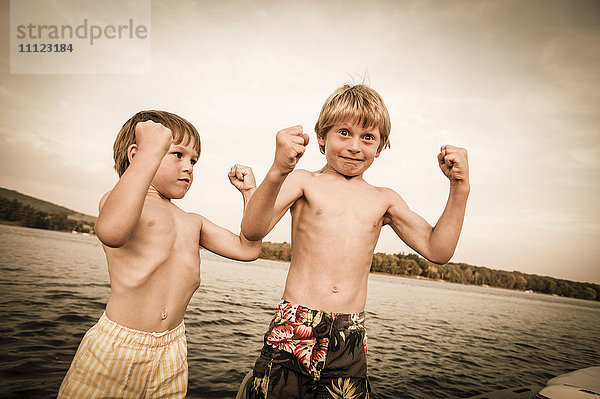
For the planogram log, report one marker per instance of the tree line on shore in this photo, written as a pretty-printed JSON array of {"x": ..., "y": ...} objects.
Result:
[
  {"x": 24, "y": 215},
  {"x": 411, "y": 265}
]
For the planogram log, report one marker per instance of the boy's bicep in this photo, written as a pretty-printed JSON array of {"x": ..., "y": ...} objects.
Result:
[
  {"x": 408, "y": 225},
  {"x": 216, "y": 238},
  {"x": 225, "y": 243}
]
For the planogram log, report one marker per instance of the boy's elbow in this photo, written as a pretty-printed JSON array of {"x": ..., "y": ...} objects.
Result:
[
  {"x": 440, "y": 258},
  {"x": 439, "y": 252},
  {"x": 112, "y": 242},
  {"x": 251, "y": 257},
  {"x": 250, "y": 250},
  {"x": 255, "y": 253},
  {"x": 247, "y": 256},
  {"x": 110, "y": 238},
  {"x": 439, "y": 261},
  {"x": 252, "y": 234}
]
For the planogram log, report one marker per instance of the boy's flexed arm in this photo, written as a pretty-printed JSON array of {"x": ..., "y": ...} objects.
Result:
[
  {"x": 222, "y": 241},
  {"x": 437, "y": 243},
  {"x": 267, "y": 206},
  {"x": 120, "y": 209}
]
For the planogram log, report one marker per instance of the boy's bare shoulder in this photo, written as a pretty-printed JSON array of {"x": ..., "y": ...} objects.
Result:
[
  {"x": 299, "y": 174},
  {"x": 385, "y": 191},
  {"x": 194, "y": 218},
  {"x": 103, "y": 199},
  {"x": 394, "y": 204},
  {"x": 390, "y": 195},
  {"x": 299, "y": 177}
]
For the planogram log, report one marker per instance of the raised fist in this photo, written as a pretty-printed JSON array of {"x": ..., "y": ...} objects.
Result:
[
  {"x": 152, "y": 136},
  {"x": 454, "y": 163},
  {"x": 290, "y": 146},
  {"x": 242, "y": 177}
]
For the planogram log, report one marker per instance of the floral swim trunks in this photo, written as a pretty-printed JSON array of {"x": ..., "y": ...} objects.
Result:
[{"x": 311, "y": 354}]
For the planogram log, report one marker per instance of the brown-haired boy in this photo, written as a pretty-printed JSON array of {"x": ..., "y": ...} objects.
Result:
[
  {"x": 316, "y": 346},
  {"x": 138, "y": 347}
]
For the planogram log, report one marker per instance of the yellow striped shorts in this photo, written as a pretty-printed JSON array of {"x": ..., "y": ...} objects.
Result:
[{"x": 114, "y": 361}]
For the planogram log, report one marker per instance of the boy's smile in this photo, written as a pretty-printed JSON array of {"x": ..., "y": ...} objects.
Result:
[
  {"x": 350, "y": 148},
  {"x": 176, "y": 171}
]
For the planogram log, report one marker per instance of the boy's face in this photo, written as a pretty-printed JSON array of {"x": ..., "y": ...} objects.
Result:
[
  {"x": 350, "y": 148},
  {"x": 175, "y": 173}
]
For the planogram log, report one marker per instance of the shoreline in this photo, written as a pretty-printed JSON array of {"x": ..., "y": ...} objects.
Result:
[
  {"x": 453, "y": 282},
  {"x": 16, "y": 223}
]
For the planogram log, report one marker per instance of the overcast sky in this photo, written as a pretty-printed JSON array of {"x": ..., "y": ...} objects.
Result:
[{"x": 515, "y": 82}]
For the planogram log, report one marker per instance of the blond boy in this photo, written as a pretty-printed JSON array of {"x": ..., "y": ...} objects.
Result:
[
  {"x": 315, "y": 346},
  {"x": 138, "y": 347}
]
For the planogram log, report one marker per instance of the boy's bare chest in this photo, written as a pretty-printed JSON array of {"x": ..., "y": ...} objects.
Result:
[
  {"x": 344, "y": 204},
  {"x": 168, "y": 225},
  {"x": 164, "y": 247}
]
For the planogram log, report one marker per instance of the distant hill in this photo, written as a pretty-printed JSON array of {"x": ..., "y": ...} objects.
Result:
[{"x": 45, "y": 206}]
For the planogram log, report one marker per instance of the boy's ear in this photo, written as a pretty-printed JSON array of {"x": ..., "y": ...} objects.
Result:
[
  {"x": 131, "y": 150},
  {"x": 321, "y": 140}
]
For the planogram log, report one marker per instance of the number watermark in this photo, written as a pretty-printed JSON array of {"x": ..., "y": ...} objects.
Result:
[{"x": 45, "y": 48}]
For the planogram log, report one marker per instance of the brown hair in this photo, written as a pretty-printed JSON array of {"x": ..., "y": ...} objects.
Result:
[
  {"x": 182, "y": 131},
  {"x": 359, "y": 104}
]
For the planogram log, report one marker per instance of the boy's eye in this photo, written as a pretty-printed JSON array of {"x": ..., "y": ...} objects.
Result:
[
  {"x": 178, "y": 154},
  {"x": 344, "y": 132},
  {"x": 369, "y": 137},
  {"x": 193, "y": 161}
]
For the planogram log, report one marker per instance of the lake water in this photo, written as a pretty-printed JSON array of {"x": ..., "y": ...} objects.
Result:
[{"x": 426, "y": 339}]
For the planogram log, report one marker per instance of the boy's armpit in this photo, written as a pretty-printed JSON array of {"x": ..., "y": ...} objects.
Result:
[
  {"x": 396, "y": 206},
  {"x": 199, "y": 220}
]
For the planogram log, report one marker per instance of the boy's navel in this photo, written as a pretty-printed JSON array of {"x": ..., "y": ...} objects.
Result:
[
  {"x": 335, "y": 289},
  {"x": 151, "y": 223},
  {"x": 164, "y": 314},
  {"x": 319, "y": 211}
]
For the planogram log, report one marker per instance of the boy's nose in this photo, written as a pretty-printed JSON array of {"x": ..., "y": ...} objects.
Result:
[
  {"x": 354, "y": 147},
  {"x": 188, "y": 167}
]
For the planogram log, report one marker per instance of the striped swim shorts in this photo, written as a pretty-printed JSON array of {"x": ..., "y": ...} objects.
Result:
[{"x": 114, "y": 361}]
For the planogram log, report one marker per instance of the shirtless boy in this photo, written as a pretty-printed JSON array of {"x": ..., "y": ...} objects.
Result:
[
  {"x": 138, "y": 347},
  {"x": 315, "y": 346}
]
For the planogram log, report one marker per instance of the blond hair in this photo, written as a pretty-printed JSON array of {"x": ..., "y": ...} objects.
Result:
[
  {"x": 359, "y": 104},
  {"x": 182, "y": 131}
]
